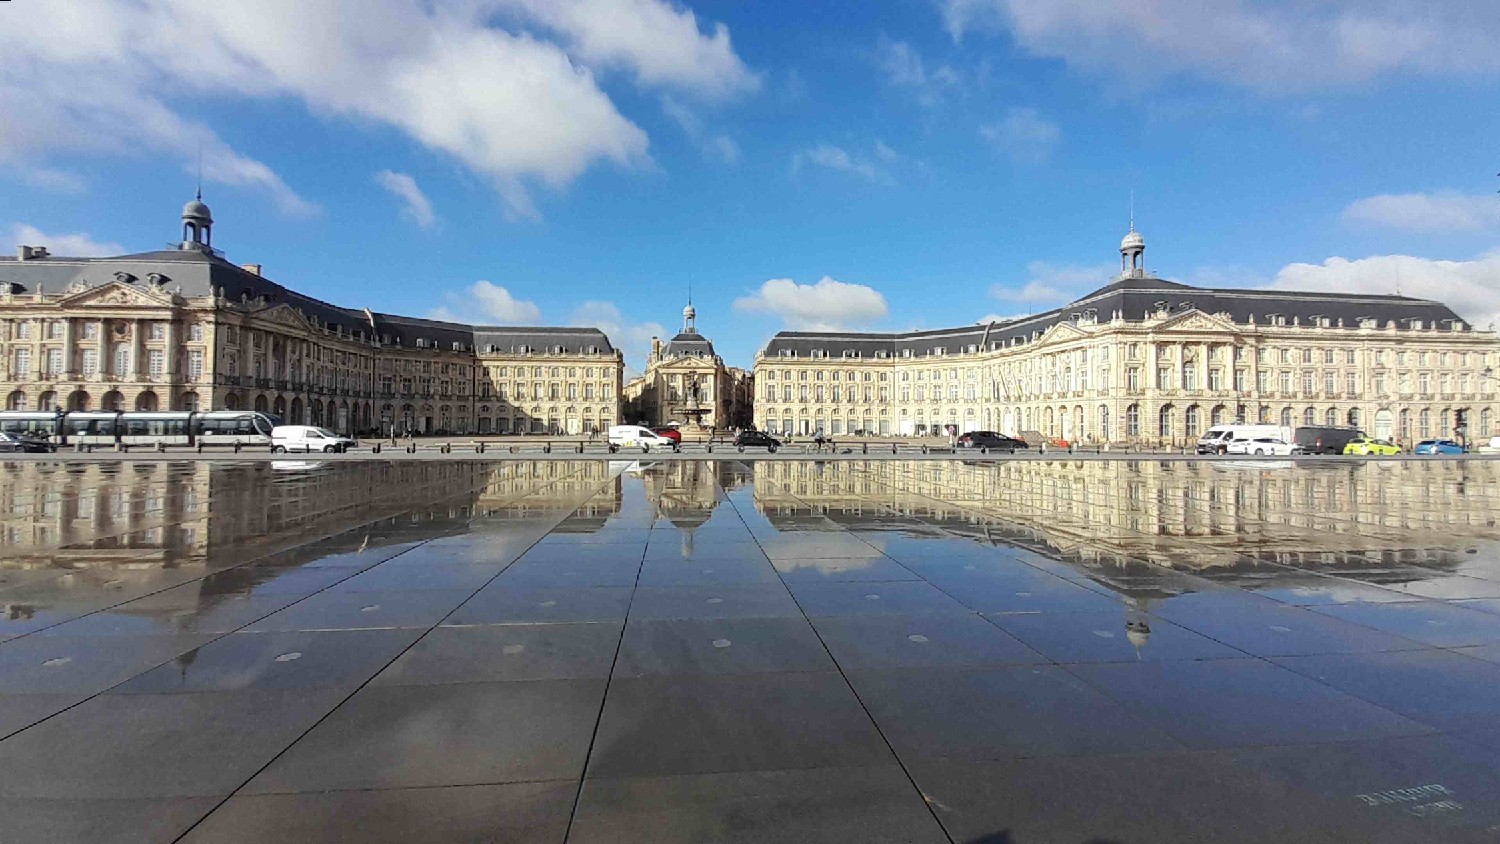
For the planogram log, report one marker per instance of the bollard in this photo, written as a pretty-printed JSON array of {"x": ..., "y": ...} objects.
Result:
[
  {"x": 375, "y": 449},
  {"x": 924, "y": 449},
  {"x": 161, "y": 448},
  {"x": 1012, "y": 450},
  {"x": 236, "y": 446},
  {"x": 79, "y": 447},
  {"x": 411, "y": 448},
  {"x": 613, "y": 448},
  {"x": 984, "y": 449},
  {"x": 580, "y": 448},
  {"x": 893, "y": 448},
  {"x": 865, "y": 449},
  {"x": 1041, "y": 449},
  {"x": 547, "y": 449},
  {"x": 1070, "y": 448},
  {"x": 513, "y": 449},
  {"x": 710, "y": 448},
  {"x": 200, "y": 448}
]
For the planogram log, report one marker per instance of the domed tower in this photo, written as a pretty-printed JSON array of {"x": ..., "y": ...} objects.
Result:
[
  {"x": 689, "y": 319},
  {"x": 197, "y": 225},
  {"x": 1133, "y": 253}
]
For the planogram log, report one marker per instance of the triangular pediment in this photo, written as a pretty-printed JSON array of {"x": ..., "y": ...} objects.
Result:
[
  {"x": 283, "y": 314},
  {"x": 1195, "y": 320},
  {"x": 116, "y": 294},
  {"x": 1061, "y": 333}
]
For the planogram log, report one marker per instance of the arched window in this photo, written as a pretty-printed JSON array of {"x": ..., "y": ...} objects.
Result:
[
  {"x": 1217, "y": 417},
  {"x": 1286, "y": 417},
  {"x": 1424, "y": 427},
  {"x": 1353, "y": 417},
  {"x": 1263, "y": 416},
  {"x": 1405, "y": 426},
  {"x": 1484, "y": 422},
  {"x": 1189, "y": 376},
  {"x": 1104, "y": 422},
  {"x": 17, "y": 401},
  {"x": 1133, "y": 421},
  {"x": 1164, "y": 422},
  {"x": 1190, "y": 425},
  {"x": 1331, "y": 417},
  {"x": 1309, "y": 417}
]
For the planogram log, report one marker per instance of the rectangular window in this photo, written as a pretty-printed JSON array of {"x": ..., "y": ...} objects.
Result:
[
  {"x": 90, "y": 362},
  {"x": 1163, "y": 378},
  {"x": 1286, "y": 382},
  {"x": 195, "y": 365},
  {"x": 1308, "y": 382},
  {"x": 1351, "y": 384},
  {"x": 158, "y": 331},
  {"x": 1329, "y": 381},
  {"x": 1263, "y": 382},
  {"x": 195, "y": 331},
  {"x": 91, "y": 331},
  {"x": 54, "y": 362},
  {"x": 55, "y": 330},
  {"x": 23, "y": 330},
  {"x": 22, "y": 370},
  {"x": 155, "y": 363}
]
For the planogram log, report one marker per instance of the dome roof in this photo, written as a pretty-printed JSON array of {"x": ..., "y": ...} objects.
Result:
[
  {"x": 689, "y": 311},
  {"x": 1133, "y": 241},
  {"x": 196, "y": 210}
]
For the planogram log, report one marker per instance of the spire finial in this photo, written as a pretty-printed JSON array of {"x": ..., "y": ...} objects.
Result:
[
  {"x": 199, "y": 194},
  {"x": 1132, "y": 209}
]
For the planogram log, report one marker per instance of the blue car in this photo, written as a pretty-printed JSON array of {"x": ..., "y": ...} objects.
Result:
[{"x": 1438, "y": 447}]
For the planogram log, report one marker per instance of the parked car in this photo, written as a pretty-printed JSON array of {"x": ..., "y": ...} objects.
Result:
[
  {"x": 22, "y": 444},
  {"x": 669, "y": 432},
  {"x": 636, "y": 436},
  {"x": 1368, "y": 446},
  {"x": 1438, "y": 447},
  {"x": 308, "y": 438},
  {"x": 1259, "y": 446},
  {"x": 1492, "y": 447},
  {"x": 756, "y": 439},
  {"x": 990, "y": 440},
  {"x": 1216, "y": 440}
]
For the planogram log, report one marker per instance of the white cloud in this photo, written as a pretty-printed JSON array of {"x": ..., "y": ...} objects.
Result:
[
  {"x": 829, "y": 305},
  {"x": 904, "y": 68},
  {"x": 634, "y": 339},
  {"x": 1426, "y": 212},
  {"x": 1272, "y": 46},
  {"x": 839, "y": 160},
  {"x": 415, "y": 205},
  {"x": 1469, "y": 287},
  {"x": 1025, "y": 135},
  {"x": 77, "y": 245},
  {"x": 721, "y": 148},
  {"x": 486, "y": 302},
  {"x": 659, "y": 41},
  {"x": 996, "y": 318},
  {"x": 96, "y": 76},
  {"x": 1051, "y": 284}
]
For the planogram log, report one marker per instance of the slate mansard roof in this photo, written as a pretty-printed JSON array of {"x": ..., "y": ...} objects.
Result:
[
  {"x": 200, "y": 273},
  {"x": 1134, "y": 300},
  {"x": 689, "y": 344}
]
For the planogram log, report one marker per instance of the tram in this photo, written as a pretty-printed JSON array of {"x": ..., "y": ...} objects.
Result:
[{"x": 108, "y": 427}]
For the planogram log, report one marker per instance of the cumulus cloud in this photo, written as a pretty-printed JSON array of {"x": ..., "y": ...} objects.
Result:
[
  {"x": 414, "y": 204},
  {"x": 1272, "y": 46},
  {"x": 105, "y": 76},
  {"x": 1426, "y": 212},
  {"x": 632, "y": 338},
  {"x": 841, "y": 160},
  {"x": 904, "y": 67},
  {"x": 1025, "y": 135},
  {"x": 487, "y": 302},
  {"x": 829, "y": 305},
  {"x": 1469, "y": 287},
  {"x": 77, "y": 245}
]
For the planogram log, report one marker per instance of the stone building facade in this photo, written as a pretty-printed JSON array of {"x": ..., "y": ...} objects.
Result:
[
  {"x": 686, "y": 382},
  {"x": 1143, "y": 360},
  {"x": 185, "y": 329}
]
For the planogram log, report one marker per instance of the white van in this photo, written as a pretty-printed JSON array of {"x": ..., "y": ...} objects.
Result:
[
  {"x": 307, "y": 438},
  {"x": 1216, "y": 440},
  {"x": 634, "y": 436}
]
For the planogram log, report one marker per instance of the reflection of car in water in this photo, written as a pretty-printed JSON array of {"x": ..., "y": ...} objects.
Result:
[
  {"x": 1254, "y": 465},
  {"x": 1368, "y": 446},
  {"x": 297, "y": 465},
  {"x": 1438, "y": 447}
]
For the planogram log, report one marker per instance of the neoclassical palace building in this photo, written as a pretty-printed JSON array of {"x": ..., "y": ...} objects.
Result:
[
  {"x": 686, "y": 382},
  {"x": 185, "y": 329},
  {"x": 1145, "y": 360}
]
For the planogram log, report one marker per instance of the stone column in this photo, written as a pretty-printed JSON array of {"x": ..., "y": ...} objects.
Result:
[
  {"x": 137, "y": 348},
  {"x": 105, "y": 373},
  {"x": 70, "y": 355}
]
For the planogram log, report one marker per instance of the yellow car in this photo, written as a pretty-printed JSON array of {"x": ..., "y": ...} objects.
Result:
[{"x": 1365, "y": 445}]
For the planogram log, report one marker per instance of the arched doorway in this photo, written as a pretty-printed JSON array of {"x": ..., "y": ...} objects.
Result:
[
  {"x": 47, "y": 401},
  {"x": 146, "y": 401},
  {"x": 79, "y": 400},
  {"x": 232, "y": 401},
  {"x": 113, "y": 400},
  {"x": 279, "y": 407},
  {"x": 296, "y": 417},
  {"x": 189, "y": 402},
  {"x": 16, "y": 401},
  {"x": 1385, "y": 424},
  {"x": 261, "y": 405},
  {"x": 343, "y": 420}
]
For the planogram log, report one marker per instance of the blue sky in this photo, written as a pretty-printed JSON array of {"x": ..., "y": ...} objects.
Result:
[{"x": 936, "y": 161}]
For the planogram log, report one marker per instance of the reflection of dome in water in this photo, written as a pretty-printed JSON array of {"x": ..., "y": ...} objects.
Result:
[{"x": 1139, "y": 633}]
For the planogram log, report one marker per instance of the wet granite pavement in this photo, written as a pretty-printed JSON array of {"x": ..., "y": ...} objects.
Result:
[{"x": 616, "y": 651}]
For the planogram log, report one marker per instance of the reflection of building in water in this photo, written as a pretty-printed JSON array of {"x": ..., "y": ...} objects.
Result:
[
  {"x": 686, "y": 492},
  {"x": 1192, "y": 514},
  {"x": 150, "y": 513}
]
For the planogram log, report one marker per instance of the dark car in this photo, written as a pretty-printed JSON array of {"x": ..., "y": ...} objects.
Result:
[
  {"x": 1324, "y": 439},
  {"x": 756, "y": 439},
  {"x": 20, "y": 443},
  {"x": 990, "y": 440}
]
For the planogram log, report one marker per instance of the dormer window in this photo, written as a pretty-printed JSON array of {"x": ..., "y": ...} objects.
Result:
[
  {"x": 788, "y": 353},
  {"x": 882, "y": 354},
  {"x": 906, "y": 353},
  {"x": 457, "y": 347}
]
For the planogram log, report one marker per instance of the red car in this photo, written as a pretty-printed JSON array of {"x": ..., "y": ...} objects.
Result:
[{"x": 669, "y": 432}]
